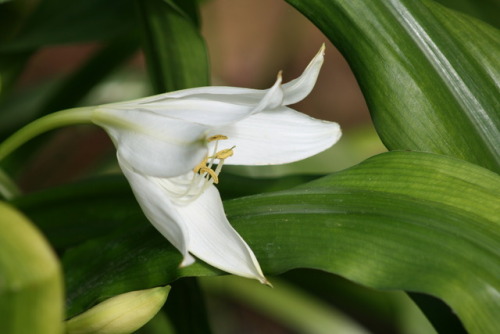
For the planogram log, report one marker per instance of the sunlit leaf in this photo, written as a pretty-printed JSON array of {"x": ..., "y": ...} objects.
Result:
[{"x": 430, "y": 75}]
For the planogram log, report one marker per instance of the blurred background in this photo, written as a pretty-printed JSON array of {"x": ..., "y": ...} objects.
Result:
[
  {"x": 247, "y": 47},
  {"x": 248, "y": 41}
]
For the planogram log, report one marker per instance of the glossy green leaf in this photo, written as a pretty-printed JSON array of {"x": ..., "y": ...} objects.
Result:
[
  {"x": 31, "y": 289},
  {"x": 175, "y": 50},
  {"x": 430, "y": 75},
  {"x": 398, "y": 221}
]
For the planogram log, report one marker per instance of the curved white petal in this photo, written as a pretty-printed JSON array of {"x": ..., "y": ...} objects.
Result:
[
  {"x": 215, "y": 93},
  {"x": 159, "y": 209},
  {"x": 154, "y": 145},
  {"x": 213, "y": 110},
  {"x": 297, "y": 89},
  {"x": 276, "y": 137},
  {"x": 214, "y": 240}
]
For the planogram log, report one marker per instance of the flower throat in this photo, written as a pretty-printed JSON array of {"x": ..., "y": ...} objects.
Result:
[{"x": 203, "y": 175}]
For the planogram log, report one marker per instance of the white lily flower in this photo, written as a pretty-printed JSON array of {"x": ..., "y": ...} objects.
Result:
[{"x": 168, "y": 146}]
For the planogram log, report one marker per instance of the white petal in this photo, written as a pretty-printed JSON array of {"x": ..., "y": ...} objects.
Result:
[
  {"x": 214, "y": 240},
  {"x": 159, "y": 210},
  {"x": 297, "y": 89},
  {"x": 154, "y": 145},
  {"x": 276, "y": 137},
  {"x": 209, "y": 109}
]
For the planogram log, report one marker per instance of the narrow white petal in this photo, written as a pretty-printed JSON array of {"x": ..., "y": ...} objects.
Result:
[
  {"x": 276, "y": 137},
  {"x": 159, "y": 209},
  {"x": 214, "y": 240},
  {"x": 297, "y": 89},
  {"x": 195, "y": 110},
  {"x": 211, "y": 92},
  {"x": 215, "y": 110},
  {"x": 151, "y": 144}
]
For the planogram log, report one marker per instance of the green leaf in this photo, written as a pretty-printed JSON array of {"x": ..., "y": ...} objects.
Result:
[
  {"x": 429, "y": 74},
  {"x": 31, "y": 290},
  {"x": 175, "y": 50},
  {"x": 398, "y": 221},
  {"x": 56, "y": 22},
  {"x": 486, "y": 10},
  {"x": 70, "y": 215}
]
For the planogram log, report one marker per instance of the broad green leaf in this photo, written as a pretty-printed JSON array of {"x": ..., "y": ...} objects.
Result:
[
  {"x": 70, "y": 215},
  {"x": 31, "y": 289},
  {"x": 175, "y": 51},
  {"x": 430, "y": 75},
  {"x": 399, "y": 221}
]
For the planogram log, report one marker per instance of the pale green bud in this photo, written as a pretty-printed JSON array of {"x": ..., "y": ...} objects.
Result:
[
  {"x": 31, "y": 284},
  {"x": 121, "y": 314}
]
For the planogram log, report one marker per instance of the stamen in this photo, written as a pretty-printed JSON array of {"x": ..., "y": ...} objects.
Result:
[
  {"x": 203, "y": 175},
  {"x": 216, "y": 137},
  {"x": 201, "y": 165},
  {"x": 211, "y": 172},
  {"x": 224, "y": 154}
]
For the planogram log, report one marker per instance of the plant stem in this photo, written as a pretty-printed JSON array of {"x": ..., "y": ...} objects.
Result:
[
  {"x": 8, "y": 188},
  {"x": 44, "y": 124}
]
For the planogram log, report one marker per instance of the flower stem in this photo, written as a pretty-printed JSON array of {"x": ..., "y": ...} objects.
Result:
[{"x": 44, "y": 124}]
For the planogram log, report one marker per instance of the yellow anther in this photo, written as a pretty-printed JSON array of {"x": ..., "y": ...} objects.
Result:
[
  {"x": 216, "y": 137},
  {"x": 204, "y": 168},
  {"x": 201, "y": 165},
  {"x": 224, "y": 154},
  {"x": 209, "y": 171}
]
